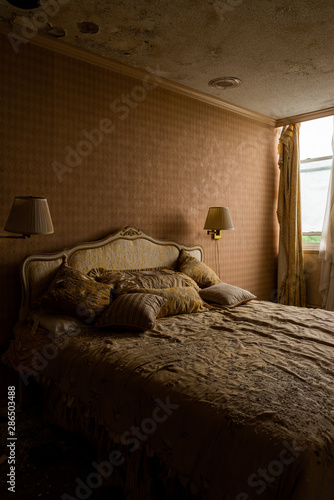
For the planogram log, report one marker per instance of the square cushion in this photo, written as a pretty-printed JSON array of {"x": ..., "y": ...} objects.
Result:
[
  {"x": 226, "y": 295},
  {"x": 72, "y": 292},
  {"x": 134, "y": 310},
  {"x": 197, "y": 270}
]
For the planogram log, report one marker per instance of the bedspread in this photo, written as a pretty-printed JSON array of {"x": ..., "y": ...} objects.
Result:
[{"x": 239, "y": 402}]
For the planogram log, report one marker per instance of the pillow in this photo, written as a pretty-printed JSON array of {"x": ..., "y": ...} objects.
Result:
[
  {"x": 56, "y": 324},
  {"x": 72, "y": 292},
  {"x": 183, "y": 300},
  {"x": 127, "y": 280},
  {"x": 134, "y": 310},
  {"x": 109, "y": 277},
  {"x": 226, "y": 295},
  {"x": 197, "y": 270},
  {"x": 102, "y": 274}
]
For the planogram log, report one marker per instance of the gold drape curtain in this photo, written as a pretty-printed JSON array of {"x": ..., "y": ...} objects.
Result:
[{"x": 291, "y": 280}]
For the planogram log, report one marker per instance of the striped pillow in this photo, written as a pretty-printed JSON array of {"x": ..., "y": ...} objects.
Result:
[{"x": 135, "y": 310}]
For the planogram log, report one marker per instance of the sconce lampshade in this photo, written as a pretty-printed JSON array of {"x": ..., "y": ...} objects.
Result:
[
  {"x": 218, "y": 219},
  {"x": 29, "y": 215}
]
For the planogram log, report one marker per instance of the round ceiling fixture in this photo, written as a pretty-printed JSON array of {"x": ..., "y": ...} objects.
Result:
[{"x": 225, "y": 82}]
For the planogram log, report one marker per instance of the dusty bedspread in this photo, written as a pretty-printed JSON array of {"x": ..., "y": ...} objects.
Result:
[{"x": 239, "y": 402}]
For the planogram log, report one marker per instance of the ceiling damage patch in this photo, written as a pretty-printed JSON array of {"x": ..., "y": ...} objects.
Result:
[
  {"x": 305, "y": 68},
  {"x": 88, "y": 27}
]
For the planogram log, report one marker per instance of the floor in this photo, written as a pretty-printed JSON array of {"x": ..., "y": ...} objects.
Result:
[{"x": 48, "y": 461}]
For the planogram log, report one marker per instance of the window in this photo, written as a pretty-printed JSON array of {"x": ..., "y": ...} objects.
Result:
[{"x": 315, "y": 166}]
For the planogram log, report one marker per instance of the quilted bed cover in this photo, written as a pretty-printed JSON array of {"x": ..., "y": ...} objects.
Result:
[{"x": 238, "y": 402}]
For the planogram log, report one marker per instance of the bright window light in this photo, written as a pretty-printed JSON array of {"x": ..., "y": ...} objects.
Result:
[{"x": 315, "y": 166}]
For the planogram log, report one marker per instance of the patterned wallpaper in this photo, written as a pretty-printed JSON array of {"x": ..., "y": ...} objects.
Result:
[{"x": 109, "y": 151}]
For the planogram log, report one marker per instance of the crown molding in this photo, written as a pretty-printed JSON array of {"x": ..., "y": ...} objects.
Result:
[
  {"x": 61, "y": 47},
  {"x": 312, "y": 115}
]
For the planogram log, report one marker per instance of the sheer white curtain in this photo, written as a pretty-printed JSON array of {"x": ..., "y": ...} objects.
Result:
[{"x": 326, "y": 252}]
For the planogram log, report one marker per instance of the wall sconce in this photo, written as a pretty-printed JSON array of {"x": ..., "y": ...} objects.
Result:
[
  {"x": 29, "y": 215},
  {"x": 217, "y": 220}
]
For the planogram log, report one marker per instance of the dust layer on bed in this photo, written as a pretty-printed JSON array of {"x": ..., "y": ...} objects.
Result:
[{"x": 239, "y": 402}]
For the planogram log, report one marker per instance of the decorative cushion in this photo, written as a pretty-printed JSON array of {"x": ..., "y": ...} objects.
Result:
[
  {"x": 134, "y": 310},
  {"x": 183, "y": 300},
  {"x": 153, "y": 278},
  {"x": 226, "y": 295},
  {"x": 72, "y": 292},
  {"x": 197, "y": 270}
]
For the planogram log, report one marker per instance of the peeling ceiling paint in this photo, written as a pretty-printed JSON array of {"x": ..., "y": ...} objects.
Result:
[{"x": 282, "y": 51}]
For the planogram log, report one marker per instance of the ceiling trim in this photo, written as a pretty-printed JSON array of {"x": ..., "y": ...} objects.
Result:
[
  {"x": 312, "y": 115},
  {"x": 61, "y": 47}
]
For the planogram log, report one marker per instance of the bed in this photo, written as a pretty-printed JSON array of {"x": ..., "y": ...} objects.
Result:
[{"x": 226, "y": 397}]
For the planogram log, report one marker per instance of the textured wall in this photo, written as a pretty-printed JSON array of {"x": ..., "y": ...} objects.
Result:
[{"x": 159, "y": 162}]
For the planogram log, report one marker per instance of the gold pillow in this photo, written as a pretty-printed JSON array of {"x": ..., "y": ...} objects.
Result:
[
  {"x": 226, "y": 295},
  {"x": 135, "y": 310},
  {"x": 183, "y": 300},
  {"x": 72, "y": 292},
  {"x": 153, "y": 278},
  {"x": 197, "y": 270}
]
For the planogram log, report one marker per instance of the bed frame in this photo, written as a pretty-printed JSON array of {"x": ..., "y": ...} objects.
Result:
[{"x": 130, "y": 248}]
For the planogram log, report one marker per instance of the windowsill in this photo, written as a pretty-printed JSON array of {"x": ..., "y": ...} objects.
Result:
[{"x": 311, "y": 247}]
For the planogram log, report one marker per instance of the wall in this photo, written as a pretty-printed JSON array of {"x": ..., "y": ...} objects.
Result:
[
  {"x": 167, "y": 159},
  {"x": 312, "y": 269}
]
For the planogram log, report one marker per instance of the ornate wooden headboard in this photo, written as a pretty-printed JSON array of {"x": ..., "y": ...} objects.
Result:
[{"x": 129, "y": 248}]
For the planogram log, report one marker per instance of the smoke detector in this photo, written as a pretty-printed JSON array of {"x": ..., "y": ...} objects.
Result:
[{"x": 225, "y": 82}]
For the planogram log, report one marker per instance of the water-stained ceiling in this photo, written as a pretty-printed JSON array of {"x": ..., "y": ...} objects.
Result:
[{"x": 283, "y": 51}]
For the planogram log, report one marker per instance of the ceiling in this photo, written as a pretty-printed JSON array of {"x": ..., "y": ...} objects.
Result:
[{"x": 282, "y": 50}]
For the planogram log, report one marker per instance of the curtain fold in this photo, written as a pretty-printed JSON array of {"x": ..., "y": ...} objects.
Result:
[
  {"x": 291, "y": 280},
  {"x": 326, "y": 252}
]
